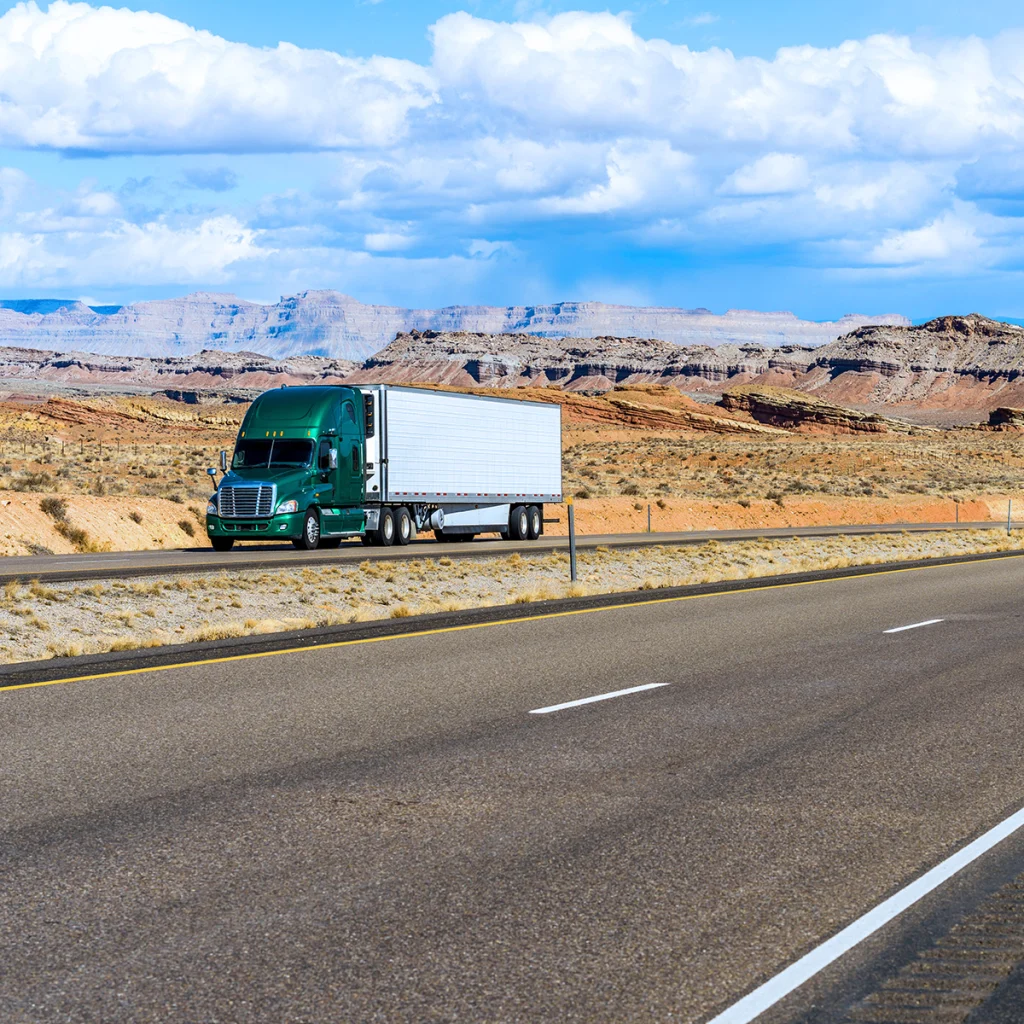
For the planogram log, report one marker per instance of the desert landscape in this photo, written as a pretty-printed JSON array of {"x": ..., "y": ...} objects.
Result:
[
  {"x": 121, "y": 445},
  {"x": 128, "y": 473}
]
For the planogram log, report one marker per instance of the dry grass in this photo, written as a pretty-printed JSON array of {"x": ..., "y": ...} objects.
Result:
[
  {"x": 65, "y": 620},
  {"x": 959, "y": 463}
]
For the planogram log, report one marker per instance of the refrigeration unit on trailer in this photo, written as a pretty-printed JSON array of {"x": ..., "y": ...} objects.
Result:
[{"x": 317, "y": 464}]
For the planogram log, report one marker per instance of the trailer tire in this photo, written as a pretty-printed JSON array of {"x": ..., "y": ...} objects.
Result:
[
  {"x": 386, "y": 530},
  {"x": 222, "y": 543},
  {"x": 536, "y": 522},
  {"x": 518, "y": 524},
  {"x": 404, "y": 529},
  {"x": 310, "y": 537}
]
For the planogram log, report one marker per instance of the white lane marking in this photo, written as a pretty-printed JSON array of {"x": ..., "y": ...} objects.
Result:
[
  {"x": 590, "y": 700},
  {"x": 914, "y": 625},
  {"x": 767, "y": 995}
]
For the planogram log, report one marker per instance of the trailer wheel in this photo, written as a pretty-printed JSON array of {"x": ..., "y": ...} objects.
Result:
[
  {"x": 536, "y": 522},
  {"x": 222, "y": 543},
  {"x": 310, "y": 537},
  {"x": 386, "y": 531},
  {"x": 403, "y": 526},
  {"x": 518, "y": 524}
]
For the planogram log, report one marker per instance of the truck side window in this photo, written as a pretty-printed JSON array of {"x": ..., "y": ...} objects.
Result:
[
  {"x": 348, "y": 415},
  {"x": 324, "y": 459}
]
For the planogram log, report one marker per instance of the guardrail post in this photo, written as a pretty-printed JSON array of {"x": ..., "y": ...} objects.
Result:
[
  {"x": 572, "y": 540},
  {"x": 1009, "y": 514}
]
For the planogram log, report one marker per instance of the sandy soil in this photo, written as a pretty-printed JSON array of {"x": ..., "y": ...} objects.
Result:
[
  {"x": 39, "y": 621},
  {"x": 108, "y": 523},
  {"x": 629, "y": 515}
]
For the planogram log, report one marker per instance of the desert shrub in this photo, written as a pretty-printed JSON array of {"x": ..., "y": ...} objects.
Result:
[
  {"x": 186, "y": 527},
  {"x": 75, "y": 534},
  {"x": 631, "y": 489},
  {"x": 56, "y": 508},
  {"x": 32, "y": 482},
  {"x": 135, "y": 517}
]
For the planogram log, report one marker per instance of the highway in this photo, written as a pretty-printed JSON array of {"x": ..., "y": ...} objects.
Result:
[
  {"x": 126, "y": 564},
  {"x": 447, "y": 826}
]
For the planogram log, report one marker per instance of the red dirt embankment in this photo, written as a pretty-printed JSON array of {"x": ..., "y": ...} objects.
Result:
[{"x": 620, "y": 515}]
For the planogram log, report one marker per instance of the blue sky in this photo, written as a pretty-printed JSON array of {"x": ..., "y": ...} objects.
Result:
[{"x": 824, "y": 158}]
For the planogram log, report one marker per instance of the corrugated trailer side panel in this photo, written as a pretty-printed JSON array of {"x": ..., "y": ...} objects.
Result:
[{"x": 449, "y": 447}]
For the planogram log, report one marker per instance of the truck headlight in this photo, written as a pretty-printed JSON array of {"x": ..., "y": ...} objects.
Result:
[
  {"x": 211, "y": 509},
  {"x": 287, "y": 506}
]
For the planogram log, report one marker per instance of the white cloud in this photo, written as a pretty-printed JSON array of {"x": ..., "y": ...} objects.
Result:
[
  {"x": 122, "y": 252},
  {"x": 580, "y": 72},
  {"x": 83, "y": 78},
  {"x": 705, "y": 18},
  {"x": 854, "y": 154},
  {"x": 951, "y": 237},
  {"x": 768, "y": 175},
  {"x": 638, "y": 174},
  {"x": 388, "y": 241}
]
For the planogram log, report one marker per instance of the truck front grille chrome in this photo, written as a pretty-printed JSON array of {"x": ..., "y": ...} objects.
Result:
[{"x": 246, "y": 501}]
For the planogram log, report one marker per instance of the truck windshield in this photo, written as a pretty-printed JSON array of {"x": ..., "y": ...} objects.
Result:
[{"x": 260, "y": 453}]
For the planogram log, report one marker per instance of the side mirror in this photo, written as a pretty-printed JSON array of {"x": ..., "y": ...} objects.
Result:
[
  {"x": 223, "y": 462},
  {"x": 212, "y": 471},
  {"x": 332, "y": 458}
]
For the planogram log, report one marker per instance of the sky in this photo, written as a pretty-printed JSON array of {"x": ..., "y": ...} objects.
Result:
[{"x": 820, "y": 158}]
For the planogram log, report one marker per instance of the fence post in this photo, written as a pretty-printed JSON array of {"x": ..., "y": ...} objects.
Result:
[
  {"x": 572, "y": 539},
  {"x": 648, "y": 517},
  {"x": 1009, "y": 514}
]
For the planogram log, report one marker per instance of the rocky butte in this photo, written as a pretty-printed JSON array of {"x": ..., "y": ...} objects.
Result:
[
  {"x": 336, "y": 326},
  {"x": 954, "y": 369}
]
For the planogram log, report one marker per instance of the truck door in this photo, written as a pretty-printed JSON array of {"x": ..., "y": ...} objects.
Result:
[{"x": 349, "y": 479}]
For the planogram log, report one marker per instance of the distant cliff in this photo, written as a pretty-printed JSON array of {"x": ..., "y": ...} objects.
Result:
[
  {"x": 335, "y": 326},
  {"x": 953, "y": 369}
]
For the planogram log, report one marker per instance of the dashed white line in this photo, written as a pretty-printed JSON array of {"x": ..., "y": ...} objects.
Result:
[
  {"x": 913, "y": 625},
  {"x": 767, "y": 995},
  {"x": 591, "y": 700}
]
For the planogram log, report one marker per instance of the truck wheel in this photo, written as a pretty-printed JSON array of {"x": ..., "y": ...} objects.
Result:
[
  {"x": 222, "y": 543},
  {"x": 440, "y": 537},
  {"x": 403, "y": 526},
  {"x": 536, "y": 521},
  {"x": 386, "y": 530},
  {"x": 368, "y": 539},
  {"x": 518, "y": 524},
  {"x": 310, "y": 538}
]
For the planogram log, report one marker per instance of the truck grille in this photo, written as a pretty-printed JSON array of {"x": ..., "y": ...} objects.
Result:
[{"x": 243, "y": 502}]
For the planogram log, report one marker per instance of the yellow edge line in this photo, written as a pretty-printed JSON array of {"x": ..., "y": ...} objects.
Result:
[{"x": 482, "y": 625}]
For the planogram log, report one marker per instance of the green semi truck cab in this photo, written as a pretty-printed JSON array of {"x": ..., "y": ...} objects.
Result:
[
  {"x": 296, "y": 472},
  {"x": 319, "y": 463}
]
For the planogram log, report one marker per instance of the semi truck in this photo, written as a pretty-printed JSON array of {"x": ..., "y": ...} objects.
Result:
[{"x": 320, "y": 463}]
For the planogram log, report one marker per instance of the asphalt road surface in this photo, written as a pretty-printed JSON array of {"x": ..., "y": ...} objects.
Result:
[
  {"x": 124, "y": 564},
  {"x": 444, "y": 828}
]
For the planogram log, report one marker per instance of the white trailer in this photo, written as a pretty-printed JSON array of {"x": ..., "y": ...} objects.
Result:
[{"x": 462, "y": 464}]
